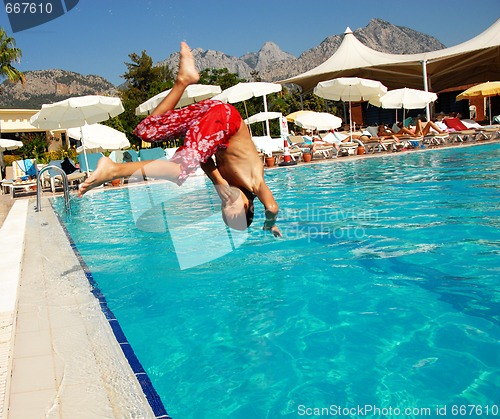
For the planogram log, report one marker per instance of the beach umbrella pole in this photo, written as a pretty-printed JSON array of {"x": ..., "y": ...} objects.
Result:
[
  {"x": 489, "y": 106},
  {"x": 84, "y": 151},
  {"x": 267, "y": 120},
  {"x": 246, "y": 112}
]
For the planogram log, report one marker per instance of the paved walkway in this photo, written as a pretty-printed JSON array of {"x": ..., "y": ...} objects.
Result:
[
  {"x": 6, "y": 203},
  {"x": 58, "y": 355}
]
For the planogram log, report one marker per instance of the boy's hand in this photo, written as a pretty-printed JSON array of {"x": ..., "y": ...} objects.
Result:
[
  {"x": 274, "y": 229},
  {"x": 228, "y": 194},
  {"x": 233, "y": 211}
]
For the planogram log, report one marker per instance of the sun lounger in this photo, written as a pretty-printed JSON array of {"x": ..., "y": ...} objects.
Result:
[
  {"x": 24, "y": 168},
  {"x": 12, "y": 186},
  {"x": 482, "y": 132},
  {"x": 350, "y": 147},
  {"x": 169, "y": 152},
  {"x": 24, "y": 174},
  {"x": 92, "y": 159},
  {"x": 410, "y": 141},
  {"x": 461, "y": 132},
  {"x": 152, "y": 153},
  {"x": 130, "y": 155},
  {"x": 298, "y": 142},
  {"x": 54, "y": 178},
  {"x": 116, "y": 156},
  {"x": 372, "y": 146},
  {"x": 269, "y": 146},
  {"x": 435, "y": 139}
]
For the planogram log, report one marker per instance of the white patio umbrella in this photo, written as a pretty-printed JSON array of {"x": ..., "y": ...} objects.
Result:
[
  {"x": 262, "y": 116},
  {"x": 321, "y": 121},
  {"x": 6, "y": 144},
  {"x": 193, "y": 93},
  {"x": 76, "y": 112},
  {"x": 291, "y": 116},
  {"x": 405, "y": 98},
  {"x": 350, "y": 89},
  {"x": 99, "y": 137},
  {"x": 244, "y": 91}
]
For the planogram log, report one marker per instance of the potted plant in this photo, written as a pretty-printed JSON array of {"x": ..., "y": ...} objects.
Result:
[
  {"x": 307, "y": 156},
  {"x": 269, "y": 160}
]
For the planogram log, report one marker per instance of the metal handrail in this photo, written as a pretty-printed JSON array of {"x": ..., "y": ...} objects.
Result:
[{"x": 67, "y": 205}]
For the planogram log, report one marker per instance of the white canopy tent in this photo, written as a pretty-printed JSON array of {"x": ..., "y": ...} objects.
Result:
[{"x": 473, "y": 61}]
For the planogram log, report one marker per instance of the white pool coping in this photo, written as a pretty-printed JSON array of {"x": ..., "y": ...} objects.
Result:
[
  {"x": 59, "y": 357},
  {"x": 12, "y": 236}
]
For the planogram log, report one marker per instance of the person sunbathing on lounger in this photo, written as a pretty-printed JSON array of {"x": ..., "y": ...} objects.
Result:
[
  {"x": 211, "y": 128},
  {"x": 385, "y": 133},
  {"x": 336, "y": 138},
  {"x": 422, "y": 128}
]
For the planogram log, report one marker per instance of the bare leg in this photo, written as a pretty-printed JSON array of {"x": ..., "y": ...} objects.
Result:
[
  {"x": 430, "y": 125},
  {"x": 392, "y": 137},
  {"x": 187, "y": 75},
  {"x": 406, "y": 131},
  {"x": 418, "y": 128},
  {"x": 108, "y": 170}
]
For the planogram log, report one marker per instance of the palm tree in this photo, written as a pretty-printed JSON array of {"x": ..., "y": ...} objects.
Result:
[{"x": 9, "y": 54}]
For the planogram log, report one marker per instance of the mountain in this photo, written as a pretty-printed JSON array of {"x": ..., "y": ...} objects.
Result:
[
  {"x": 48, "y": 86},
  {"x": 268, "y": 56},
  {"x": 273, "y": 64},
  {"x": 270, "y": 64}
]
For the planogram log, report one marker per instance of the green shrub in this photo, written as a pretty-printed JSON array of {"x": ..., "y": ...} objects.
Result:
[{"x": 43, "y": 158}]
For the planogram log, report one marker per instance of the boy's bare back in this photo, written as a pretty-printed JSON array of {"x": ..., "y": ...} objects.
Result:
[{"x": 239, "y": 163}]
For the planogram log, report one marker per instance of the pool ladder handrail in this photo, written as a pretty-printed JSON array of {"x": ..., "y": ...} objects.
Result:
[{"x": 67, "y": 205}]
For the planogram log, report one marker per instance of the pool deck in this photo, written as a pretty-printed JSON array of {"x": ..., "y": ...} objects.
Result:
[{"x": 59, "y": 357}]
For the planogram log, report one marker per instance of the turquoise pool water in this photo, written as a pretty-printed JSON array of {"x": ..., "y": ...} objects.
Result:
[{"x": 383, "y": 294}]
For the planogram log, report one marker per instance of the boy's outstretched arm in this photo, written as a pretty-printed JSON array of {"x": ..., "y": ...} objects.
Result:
[
  {"x": 221, "y": 185},
  {"x": 271, "y": 209}
]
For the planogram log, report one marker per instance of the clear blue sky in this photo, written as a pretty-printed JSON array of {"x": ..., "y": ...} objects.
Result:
[{"x": 97, "y": 36}]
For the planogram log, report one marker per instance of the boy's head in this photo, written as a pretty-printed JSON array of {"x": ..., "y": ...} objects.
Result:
[{"x": 238, "y": 213}]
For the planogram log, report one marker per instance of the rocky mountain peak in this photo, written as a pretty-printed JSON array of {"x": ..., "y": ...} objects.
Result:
[
  {"x": 268, "y": 55},
  {"x": 47, "y": 86},
  {"x": 383, "y": 36}
]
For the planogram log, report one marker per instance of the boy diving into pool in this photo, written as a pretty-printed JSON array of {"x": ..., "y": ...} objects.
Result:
[{"x": 211, "y": 128}]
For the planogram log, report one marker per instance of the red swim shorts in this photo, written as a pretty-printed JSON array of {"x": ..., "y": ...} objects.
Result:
[{"x": 206, "y": 126}]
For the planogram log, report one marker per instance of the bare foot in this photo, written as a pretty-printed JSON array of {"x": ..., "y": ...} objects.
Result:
[
  {"x": 103, "y": 173},
  {"x": 187, "y": 70}
]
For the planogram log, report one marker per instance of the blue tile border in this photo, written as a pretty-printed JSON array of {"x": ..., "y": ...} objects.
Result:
[{"x": 141, "y": 375}]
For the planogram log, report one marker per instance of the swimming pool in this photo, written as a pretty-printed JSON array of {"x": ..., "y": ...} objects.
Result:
[{"x": 383, "y": 294}]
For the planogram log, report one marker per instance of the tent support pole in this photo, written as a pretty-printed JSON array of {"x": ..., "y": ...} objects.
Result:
[{"x": 426, "y": 88}]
